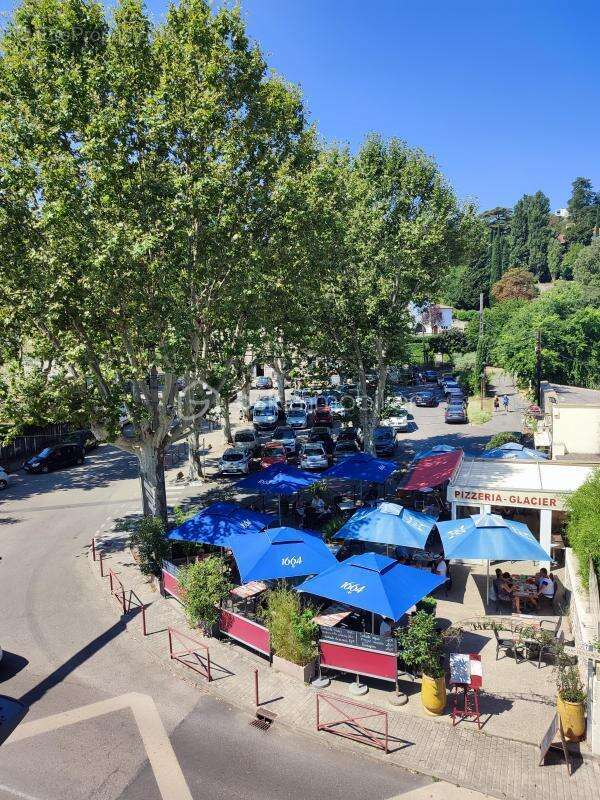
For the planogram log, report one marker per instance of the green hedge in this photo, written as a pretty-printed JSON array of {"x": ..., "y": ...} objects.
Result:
[{"x": 583, "y": 527}]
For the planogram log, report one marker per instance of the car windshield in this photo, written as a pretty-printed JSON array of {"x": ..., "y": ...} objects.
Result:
[
  {"x": 45, "y": 452},
  {"x": 313, "y": 450},
  {"x": 233, "y": 456},
  {"x": 345, "y": 447},
  {"x": 285, "y": 433},
  {"x": 244, "y": 437},
  {"x": 382, "y": 433},
  {"x": 275, "y": 451},
  {"x": 265, "y": 412},
  {"x": 455, "y": 410},
  {"x": 426, "y": 395}
]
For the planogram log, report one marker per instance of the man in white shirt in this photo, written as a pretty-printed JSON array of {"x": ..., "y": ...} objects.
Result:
[
  {"x": 545, "y": 584},
  {"x": 441, "y": 569}
]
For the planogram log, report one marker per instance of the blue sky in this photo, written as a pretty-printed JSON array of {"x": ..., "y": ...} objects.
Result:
[{"x": 506, "y": 95}]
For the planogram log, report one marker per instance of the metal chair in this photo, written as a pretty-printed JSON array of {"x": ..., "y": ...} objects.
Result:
[{"x": 507, "y": 644}]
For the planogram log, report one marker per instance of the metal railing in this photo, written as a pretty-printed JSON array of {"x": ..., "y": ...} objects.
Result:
[
  {"x": 351, "y": 723},
  {"x": 23, "y": 446},
  {"x": 200, "y": 661}
]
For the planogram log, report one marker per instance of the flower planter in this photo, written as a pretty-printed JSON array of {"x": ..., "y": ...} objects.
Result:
[
  {"x": 300, "y": 672},
  {"x": 433, "y": 694},
  {"x": 572, "y": 717}
]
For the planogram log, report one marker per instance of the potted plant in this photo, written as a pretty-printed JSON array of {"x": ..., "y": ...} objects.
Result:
[
  {"x": 428, "y": 604},
  {"x": 205, "y": 584},
  {"x": 422, "y": 649},
  {"x": 293, "y": 633},
  {"x": 571, "y": 699}
]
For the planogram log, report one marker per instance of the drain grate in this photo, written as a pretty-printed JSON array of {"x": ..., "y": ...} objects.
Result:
[{"x": 261, "y": 724}]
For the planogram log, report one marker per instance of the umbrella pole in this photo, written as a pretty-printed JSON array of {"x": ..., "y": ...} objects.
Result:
[
  {"x": 487, "y": 583},
  {"x": 372, "y": 622},
  {"x": 279, "y": 509}
]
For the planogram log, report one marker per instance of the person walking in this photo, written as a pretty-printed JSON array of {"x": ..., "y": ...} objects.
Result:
[
  {"x": 496, "y": 403},
  {"x": 505, "y": 402}
]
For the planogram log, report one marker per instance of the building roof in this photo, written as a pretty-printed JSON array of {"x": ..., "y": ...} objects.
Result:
[
  {"x": 571, "y": 395},
  {"x": 521, "y": 476}
]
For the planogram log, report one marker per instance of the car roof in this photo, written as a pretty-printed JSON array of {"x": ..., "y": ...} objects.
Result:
[
  {"x": 271, "y": 445},
  {"x": 235, "y": 450}
]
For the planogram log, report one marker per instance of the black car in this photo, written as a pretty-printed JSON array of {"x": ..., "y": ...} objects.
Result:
[
  {"x": 343, "y": 450},
  {"x": 322, "y": 435},
  {"x": 455, "y": 396},
  {"x": 59, "y": 455},
  {"x": 426, "y": 399},
  {"x": 83, "y": 438},
  {"x": 384, "y": 440},
  {"x": 351, "y": 434},
  {"x": 430, "y": 376}
]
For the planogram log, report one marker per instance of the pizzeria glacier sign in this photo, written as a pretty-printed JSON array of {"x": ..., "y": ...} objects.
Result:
[{"x": 495, "y": 497}]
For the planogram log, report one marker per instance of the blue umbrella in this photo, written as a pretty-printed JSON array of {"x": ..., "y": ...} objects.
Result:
[
  {"x": 513, "y": 451},
  {"x": 280, "y": 553},
  {"x": 373, "y": 583},
  {"x": 277, "y": 479},
  {"x": 434, "y": 451},
  {"x": 389, "y": 523},
  {"x": 216, "y": 523},
  {"x": 362, "y": 467},
  {"x": 490, "y": 537}
]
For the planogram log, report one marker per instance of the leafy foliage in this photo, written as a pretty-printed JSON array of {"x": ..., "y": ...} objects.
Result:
[
  {"x": 205, "y": 584},
  {"x": 498, "y": 439},
  {"x": 422, "y": 646},
  {"x": 584, "y": 524},
  {"x": 586, "y": 269},
  {"x": 515, "y": 284},
  {"x": 293, "y": 632},
  {"x": 149, "y": 537}
]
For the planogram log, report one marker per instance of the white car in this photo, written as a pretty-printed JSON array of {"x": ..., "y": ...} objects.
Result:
[
  {"x": 235, "y": 461},
  {"x": 5, "y": 478},
  {"x": 398, "y": 421},
  {"x": 313, "y": 456}
]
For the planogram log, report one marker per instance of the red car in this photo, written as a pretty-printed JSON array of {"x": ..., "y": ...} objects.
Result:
[
  {"x": 273, "y": 453},
  {"x": 323, "y": 416}
]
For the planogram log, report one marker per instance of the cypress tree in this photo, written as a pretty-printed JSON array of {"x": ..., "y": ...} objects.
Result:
[
  {"x": 539, "y": 234},
  {"x": 519, "y": 252}
]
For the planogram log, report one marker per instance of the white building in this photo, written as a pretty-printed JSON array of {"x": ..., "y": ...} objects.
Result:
[
  {"x": 431, "y": 318},
  {"x": 561, "y": 212},
  {"x": 571, "y": 425}
]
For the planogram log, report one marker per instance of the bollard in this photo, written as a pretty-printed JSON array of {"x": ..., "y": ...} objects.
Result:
[
  {"x": 94, "y": 549},
  {"x": 144, "y": 620},
  {"x": 101, "y": 557},
  {"x": 256, "y": 688}
]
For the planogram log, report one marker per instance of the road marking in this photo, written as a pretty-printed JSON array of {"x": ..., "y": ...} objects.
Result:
[
  {"x": 167, "y": 771},
  {"x": 17, "y": 793}
]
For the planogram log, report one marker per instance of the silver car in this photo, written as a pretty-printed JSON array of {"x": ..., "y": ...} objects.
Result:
[
  {"x": 313, "y": 456},
  {"x": 285, "y": 434},
  {"x": 235, "y": 461},
  {"x": 248, "y": 440},
  {"x": 297, "y": 418}
]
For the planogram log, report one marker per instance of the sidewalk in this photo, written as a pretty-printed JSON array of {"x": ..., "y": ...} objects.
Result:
[{"x": 463, "y": 755}]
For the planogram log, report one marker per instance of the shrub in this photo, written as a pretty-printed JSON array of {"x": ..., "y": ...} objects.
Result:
[
  {"x": 427, "y": 604},
  {"x": 205, "y": 584},
  {"x": 331, "y": 527},
  {"x": 502, "y": 438},
  {"x": 149, "y": 538},
  {"x": 583, "y": 525},
  {"x": 293, "y": 632},
  {"x": 569, "y": 685},
  {"x": 422, "y": 646}
]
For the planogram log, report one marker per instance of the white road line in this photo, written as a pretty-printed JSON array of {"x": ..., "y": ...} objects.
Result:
[
  {"x": 17, "y": 793},
  {"x": 167, "y": 772}
]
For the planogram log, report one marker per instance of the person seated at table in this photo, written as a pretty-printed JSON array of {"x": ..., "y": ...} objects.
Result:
[
  {"x": 508, "y": 591},
  {"x": 318, "y": 506},
  {"x": 440, "y": 568},
  {"x": 545, "y": 584},
  {"x": 497, "y": 581}
]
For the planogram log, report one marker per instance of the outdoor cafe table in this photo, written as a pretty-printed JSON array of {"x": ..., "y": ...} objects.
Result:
[
  {"x": 248, "y": 590},
  {"x": 526, "y": 587},
  {"x": 332, "y": 616}
]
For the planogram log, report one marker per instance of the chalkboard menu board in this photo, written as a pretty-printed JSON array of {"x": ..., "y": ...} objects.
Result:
[{"x": 369, "y": 641}]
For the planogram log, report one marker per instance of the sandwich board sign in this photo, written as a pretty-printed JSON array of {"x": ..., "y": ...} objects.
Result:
[{"x": 549, "y": 743}]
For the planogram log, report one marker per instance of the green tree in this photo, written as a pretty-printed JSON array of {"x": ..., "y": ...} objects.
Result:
[
  {"x": 539, "y": 234},
  {"x": 586, "y": 269},
  {"x": 584, "y": 212},
  {"x": 515, "y": 284},
  {"x": 583, "y": 525},
  {"x": 556, "y": 251},
  {"x": 519, "y": 233},
  {"x": 139, "y": 169},
  {"x": 205, "y": 585}
]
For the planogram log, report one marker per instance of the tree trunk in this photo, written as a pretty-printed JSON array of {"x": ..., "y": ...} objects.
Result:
[
  {"x": 195, "y": 471},
  {"x": 279, "y": 370},
  {"x": 226, "y": 419},
  {"x": 381, "y": 380},
  {"x": 366, "y": 413},
  {"x": 152, "y": 480},
  {"x": 245, "y": 393}
]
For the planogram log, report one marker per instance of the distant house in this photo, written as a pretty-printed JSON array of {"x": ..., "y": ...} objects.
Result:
[
  {"x": 561, "y": 212},
  {"x": 430, "y": 318}
]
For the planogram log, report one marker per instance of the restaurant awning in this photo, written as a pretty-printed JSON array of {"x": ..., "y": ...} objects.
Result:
[
  {"x": 388, "y": 523},
  {"x": 362, "y": 467},
  {"x": 277, "y": 479},
  {"x": 216, "y": 523},
  {"x": 432, "y": 471}
]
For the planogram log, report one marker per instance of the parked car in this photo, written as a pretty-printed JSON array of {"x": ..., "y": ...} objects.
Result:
[
  {"x": 4, "y": 478},
  {"x": 248, "y": 440},
  {"x": 430, "y": 376},
  {"x": 235, "y": 461},
  {"x": 445, "y": 376},
  {"x": 286, "y": 436},
  {"x": 313, "y": 456},
  {"x": 265, "y": 416},
  {"x": 447, "y": 385},
  {"x": 323, "y": 435},
  {"x": 273, "y": 453},
  {"x": 262, "y": 382},
  {"x": 344, "y": 450},
  {"x": 384, "y": 440},
  {"x": 59, "y": 455},
  {"x": 84, "y": 438},
  {"x": 296, "y": 404},
  {"x": 456, "y": 413},
  {"x": 351, "y": 434},
  {"x": 398, "y": 421},
  {"x": 455, "y": 396},
  {"x": 426, "y": 399},
  {"x": 296, "y": 418},
  {"x": 322, "y": 416}
]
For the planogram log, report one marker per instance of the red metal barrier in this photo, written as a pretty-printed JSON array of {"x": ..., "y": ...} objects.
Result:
[
  {"x": 138, "y": 604},
  {"x": 246, "y": 631},
  {"x": 117, "y": 590},
  {"x": 350, "y": 724},
  {"x": 101, "y": 557},
  {"x": 200, "y": 663}
]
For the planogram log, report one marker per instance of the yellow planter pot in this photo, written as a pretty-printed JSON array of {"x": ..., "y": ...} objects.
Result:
[
  {"x": 572, "y": 717},
  {"x": 433, "y": 694}
]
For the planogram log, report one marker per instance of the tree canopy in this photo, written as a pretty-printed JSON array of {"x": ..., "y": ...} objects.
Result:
[{"x": 515, "y": 284}]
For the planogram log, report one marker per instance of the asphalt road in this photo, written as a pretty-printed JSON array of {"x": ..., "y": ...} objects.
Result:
[{"x": 63, "y": 651}]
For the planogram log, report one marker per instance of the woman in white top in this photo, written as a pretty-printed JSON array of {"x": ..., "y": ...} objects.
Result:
[{"x": 441, "y": 569}]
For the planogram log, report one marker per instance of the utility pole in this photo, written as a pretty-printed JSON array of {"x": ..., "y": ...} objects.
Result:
[
  {"x": 538, "y": 368},
  {"x": 482, "y": 376}
]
